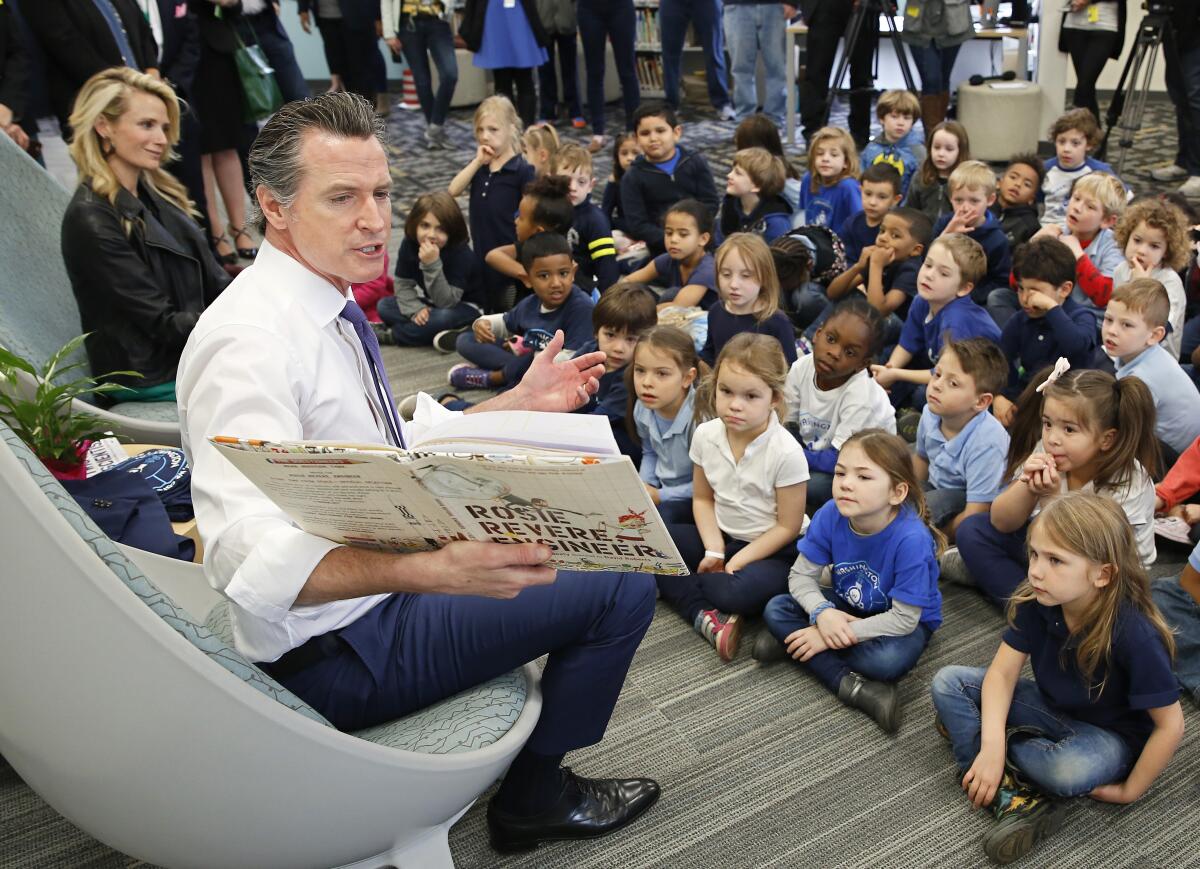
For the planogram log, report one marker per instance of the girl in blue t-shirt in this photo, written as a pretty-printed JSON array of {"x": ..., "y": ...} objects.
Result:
[
  {"x": 866, "y": 631},
  {"x": 829, "y": 191},
  {"x": 687, "y": 267},
  {"x": 1101, "y": 716}
]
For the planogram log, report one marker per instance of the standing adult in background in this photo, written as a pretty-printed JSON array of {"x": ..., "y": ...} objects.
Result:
[
  {"x": 754, "y": 28},
  {"x": 1092, "y": 32},
  {"x": 1181, "y": 51},
  {"x": 674, "y": 16},
  {"x": 827, "y": 20},
  {"x": 350, "y": 31},
  {"x": 81, "y": 37},
  {"x": 328, "y": 14},
  {"x": 558, "y": 18},
  {"x": 277, "y": 46},
  {"x": 934, "y": 31},
  {"x": 507, "y": 37},
  {"x": 601, "y": 21},
  {"x": 421, "y": 28},
  {"x": 14, "y": 79}
]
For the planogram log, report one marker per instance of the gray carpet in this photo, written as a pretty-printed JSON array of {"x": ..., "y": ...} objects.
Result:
[{"x": 760, "y": 766}]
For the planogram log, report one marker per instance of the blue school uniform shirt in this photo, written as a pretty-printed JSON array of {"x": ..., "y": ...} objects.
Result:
[
  {"x": 666, "y": 464},
  {"x": 611, "y": 396},
  {"x": 704, "y": 274},
  {"x": 829, "y": 206},
  {"x": 593, "y": 247},
  {"x": 972, "y": 460},
  {"x": 573, "y": 316},
  {"x": 897, "y": 154},
  {"x": 1139, "y": 674},
  {"x": 991, "y": 237},
  {"x": 1176, "y": 401},
  {"x": 903, "y": 276},
  {"x": 723, "y": 326},
  {"x": 495, "y": 198},
  {"x": 961, "y": 317},
  {"x": 1032, "y": 343},
  {"x": 856, "y": 234},
  {"x": 869, "y": 571}
]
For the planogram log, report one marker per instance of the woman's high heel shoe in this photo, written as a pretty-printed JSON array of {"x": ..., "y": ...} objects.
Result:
[
  {"x": 225, "y": 259},
  {"x": 243, "y": 252}
]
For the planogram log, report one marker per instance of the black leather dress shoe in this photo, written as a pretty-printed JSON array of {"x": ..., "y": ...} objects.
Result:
[{"x": 586, "y": 808}]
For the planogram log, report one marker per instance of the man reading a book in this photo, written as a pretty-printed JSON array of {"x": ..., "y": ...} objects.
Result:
[{"x": 366, "y": 637}]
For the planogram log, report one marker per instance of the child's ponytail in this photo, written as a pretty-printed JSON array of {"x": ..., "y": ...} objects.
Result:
[{"x": 1135, "y": 439}]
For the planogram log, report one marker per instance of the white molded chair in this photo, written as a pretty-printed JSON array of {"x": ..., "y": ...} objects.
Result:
[{"x": 152, "y": 734}]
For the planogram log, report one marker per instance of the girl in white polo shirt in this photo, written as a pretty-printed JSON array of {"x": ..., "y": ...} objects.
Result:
[{"x": 748, "y": 496}]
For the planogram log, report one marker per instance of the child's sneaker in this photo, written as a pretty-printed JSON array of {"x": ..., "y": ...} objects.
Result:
[
  {"x": 407, "y": 407},
  {"x": 906, "y": 424},
  {"x": 879, "y": 700},
  {"x": 1024, "y": 817},
  {"x": 952, "y": 568},
  {"x": 578, "y": 123},
  {"x": 383, "y": 333},
  {"x": 467, "y": 376},
  {"x": 940, "y": 727},
  {"x": 447, "y": 340},
  {"x": 767, "y": 649},
  {"x": 722, "y": 630}
]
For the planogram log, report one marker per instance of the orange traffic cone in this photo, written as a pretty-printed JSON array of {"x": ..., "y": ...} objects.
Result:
[{"x": 408, "y": 91}]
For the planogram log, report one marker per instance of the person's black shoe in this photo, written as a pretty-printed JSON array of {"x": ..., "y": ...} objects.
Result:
[
  {"x": 767, "y": 649},
  {"x": 586, "y": 808},
  {"x": 880, "y": 700}
]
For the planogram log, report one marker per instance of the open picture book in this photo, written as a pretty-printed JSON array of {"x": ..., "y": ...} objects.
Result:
[{"x": 506, "y": 477}]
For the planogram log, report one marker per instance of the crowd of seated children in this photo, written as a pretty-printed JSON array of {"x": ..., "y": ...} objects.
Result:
[
  {"x": 830, "y": 394},
  {"x": 749, "y": 298},
  {"x": 1153, "y": 234},
  {"x": 1134, "y": 325},
  {"x": 880, "y": 190},
  {"x": 1050, "y": 323},
  {"x": 499, "y": 347},
  {"x": 591, "y": 235},
  {"x": 952, "y": 267},
  {"x": 664, "y": 173},
  {"x": 759, "y": 131},
  {"x": 960, "y": 447},
  {"x": 1074, "y": 134},
  {"x": 625, "y": 151},
  {"x": 497, "y": 177},
  {"x": 1074, "y": 430},
  {"x": 661, "y": 383},
  {"x": 829, "y": 192},
  {"x": 864, "y": 631},
  {"x": 437, "y": 289},
  {"x": 972, "y": 187},
  {"x": 686, "y": 270},
  {"x": 897, "y": 144},
  {"x": 949, "y": 146},
  {"x": 748, "y": 494},
  {"x": 754, "y": 196},
  {"x": 1016, "y": 198}
]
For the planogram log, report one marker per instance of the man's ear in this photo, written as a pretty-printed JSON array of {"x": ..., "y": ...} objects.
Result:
[{"x": 271, "y": 207}]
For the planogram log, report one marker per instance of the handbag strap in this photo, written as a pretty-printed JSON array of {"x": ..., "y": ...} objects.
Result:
[{"x": 234, "y": 27}]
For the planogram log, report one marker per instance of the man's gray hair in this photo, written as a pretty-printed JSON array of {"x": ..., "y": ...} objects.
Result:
[{"x": 275, "y": 155}]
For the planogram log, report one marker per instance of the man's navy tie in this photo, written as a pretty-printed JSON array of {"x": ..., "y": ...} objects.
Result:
[{"x": 354, "y": 315}]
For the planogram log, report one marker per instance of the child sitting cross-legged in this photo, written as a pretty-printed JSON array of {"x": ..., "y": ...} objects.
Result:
[
  {"x": 591, "y": 234},
  {"x": 886, "y": 270},
  {"x": 829, "y": 191},
  {"x": 754, "y": 196},
  {"x": 860, "y": 636},
  {"x": 896, "y": 144},
  {"x": 747, "y": 496},
  {"x": 972, "y": 187},
  {"x": 1153, "y": 233},
  {"x": 960, "y": 446},
  {"x": 499, "y": 347},
  {"x": 880, "y": 194},
  {"x": 949, "y": 146},
  {"x": 686, "y": 269},
  {"x": 1016, "y": 199},
  {"x": 749, "y": 300},
  {"x": 1101, "y": 716},
  {"x": 831, "y": 395},
  {"x": 1050, "y": 323},
  {"x": 1074, "y": 134}
]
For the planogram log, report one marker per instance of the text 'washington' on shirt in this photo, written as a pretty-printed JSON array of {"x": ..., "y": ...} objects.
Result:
[{"x": 826, "y": 418}]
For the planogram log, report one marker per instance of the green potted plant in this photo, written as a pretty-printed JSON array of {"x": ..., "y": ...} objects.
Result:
[{"x": 41, "y": 415}]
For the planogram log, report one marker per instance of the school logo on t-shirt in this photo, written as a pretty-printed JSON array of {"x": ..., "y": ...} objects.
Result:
[
  {"x": 858, "y": 585},
  {"x": 812, "y": 428}
]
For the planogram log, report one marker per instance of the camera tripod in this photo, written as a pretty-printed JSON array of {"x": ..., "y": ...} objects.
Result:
[
  {"x": 854, "y": 28},
  {"x": 1128, "y": 104}
]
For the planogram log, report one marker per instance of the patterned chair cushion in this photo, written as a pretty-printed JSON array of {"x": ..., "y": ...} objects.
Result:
[
  {"x": 470, "y": 720},
  {"x": 151, "y": 411}
]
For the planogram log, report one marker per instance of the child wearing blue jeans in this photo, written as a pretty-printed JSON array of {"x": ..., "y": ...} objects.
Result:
[
  {"x": 1179, "y": 600},
  {"x": 1101, "y": 716},
  {"x": 864, "y": 633}
]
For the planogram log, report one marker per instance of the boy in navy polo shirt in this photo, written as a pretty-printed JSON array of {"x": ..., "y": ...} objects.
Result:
[
  {"x": 880, "y": 184},
  {"x": 972, "y": 189},
  {"x": 500, "y": 347},
  {"x": 665, "y": 173},
  {"x": 961, "y": 448},
  {"x": 590, "y": 235},
  {"x": 953, "y": 266},
  {"x": 1050, "y": 323}
]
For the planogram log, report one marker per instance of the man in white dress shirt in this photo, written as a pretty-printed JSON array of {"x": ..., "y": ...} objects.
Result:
[{"x": 364, "y": 636}]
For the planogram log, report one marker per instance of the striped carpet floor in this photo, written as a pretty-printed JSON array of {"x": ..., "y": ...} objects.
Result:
[{"x": 759, "y": 765}]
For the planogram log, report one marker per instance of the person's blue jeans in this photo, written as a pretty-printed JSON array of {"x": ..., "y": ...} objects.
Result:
[
  {"x": 413, "y": 650},
  {"x": 1183, "y": 614},
  {"x": 600, "y": 21},
  {"x": 1183, "y": 87},
  {"x": 409, "y": 334},
  {"x": 751, "y": 30},
  {"x": 493, "y": 357},
  {"x": 934, "y": 66},
  {"x": 885, "y": 659},
  {"x": 944, "y": 504},
  {"x": 677, "y": 511},
  {"x": 279, "y": 51},
  {"x": 705, "y": 18},
  {"x": 425, "y": 36},
  {"x": 562, "y": 45},
  {"x": 1002, "y": 303},
  {"x": 745, "y": 592},
  {"x": 1070, "y": 759},
  {"x": 997, "y": 560}
]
